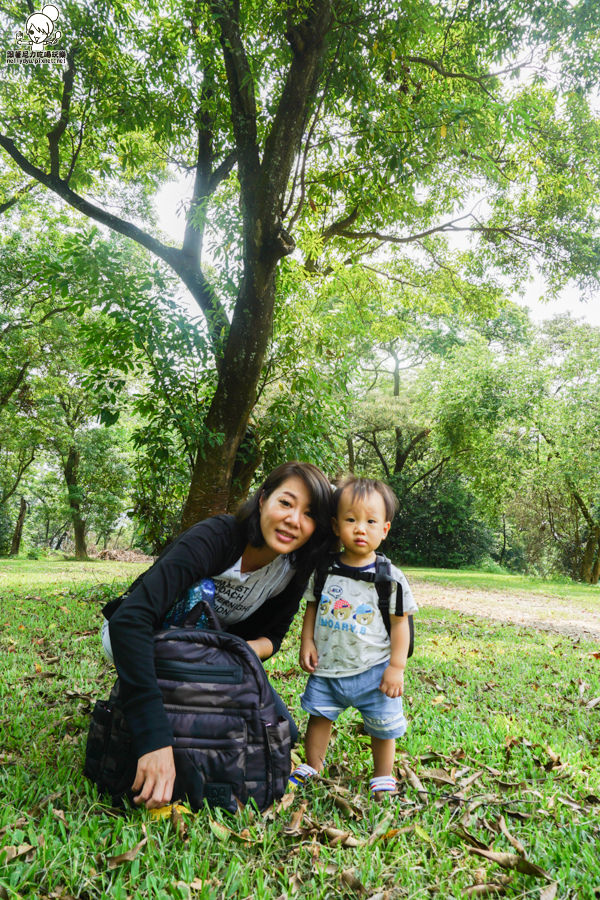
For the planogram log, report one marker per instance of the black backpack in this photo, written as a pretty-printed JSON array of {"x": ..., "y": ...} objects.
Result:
[
  {"x": 229, "y": 744},
  {"x": 382, "y": 578}
]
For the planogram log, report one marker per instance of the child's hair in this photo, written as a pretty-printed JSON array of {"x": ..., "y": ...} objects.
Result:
[{"x": 361, "y": 488}]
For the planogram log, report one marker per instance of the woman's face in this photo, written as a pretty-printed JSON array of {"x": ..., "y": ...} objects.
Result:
[{"x": 286, "y": 520}]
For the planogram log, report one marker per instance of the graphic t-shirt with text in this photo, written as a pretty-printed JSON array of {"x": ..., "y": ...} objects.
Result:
[{"x": 350, "y": 635}]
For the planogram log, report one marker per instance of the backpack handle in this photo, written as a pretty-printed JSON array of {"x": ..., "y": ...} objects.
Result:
[{"x": 202, "y": 608}]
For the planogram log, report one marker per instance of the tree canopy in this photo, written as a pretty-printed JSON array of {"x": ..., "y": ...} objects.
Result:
[{"x": 334, "y": 133}]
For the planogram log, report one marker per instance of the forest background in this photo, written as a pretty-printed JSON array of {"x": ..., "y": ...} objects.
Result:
[{"x": 369, "y": 188}]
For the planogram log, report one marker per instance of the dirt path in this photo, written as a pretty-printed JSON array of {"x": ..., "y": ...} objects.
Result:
[{"x": 544, "y": 612}]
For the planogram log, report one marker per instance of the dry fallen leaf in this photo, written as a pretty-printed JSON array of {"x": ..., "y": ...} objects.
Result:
[
  {"x": 22, "y": 820},
  {"x": 512, "y": 840},
  {"x": 549, "y": 893},
  {"x": 286, "y": 801},
  {"x": 350, "y": 879},
  {"x": 350, "y": 810},
  {"x": 414, "y": 782},
  {"x": 381, "y": 828},
  {"x": 9, "y": 853},
  {"x": 511, "y": 861},
  {"x": 470, "y": 838},
  {"x": 337, "y": 836},
  {"x": 295, "y": 883},
  {"x": 166, "y": 812},
  {"x": 114, "y": 861},
  {"x": 296, "y": 820},
  {"x": 492, "y": 889},
  {"x": 60, "y": 815},
  {"x": 439, "y": 776},
  {"x": 178, "y": 822}
]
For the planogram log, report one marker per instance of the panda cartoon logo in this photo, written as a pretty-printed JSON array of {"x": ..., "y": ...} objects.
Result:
[
  {"x": 364, "y": 614},
  {"x": 39, "y": 28},
  {"x": 341, "y": 609}
]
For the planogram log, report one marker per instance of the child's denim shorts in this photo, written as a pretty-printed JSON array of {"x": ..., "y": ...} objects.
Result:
[{"x": 328, "y": 697}]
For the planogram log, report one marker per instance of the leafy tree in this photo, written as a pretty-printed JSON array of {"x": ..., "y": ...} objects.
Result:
[
  {"x": 353, "y": 126},
  {"x": 438, "y": 525},
  {"x": 526, "y": 424}
]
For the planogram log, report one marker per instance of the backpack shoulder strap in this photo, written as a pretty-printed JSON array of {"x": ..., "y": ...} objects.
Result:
[
  {"x": 321, "y": 572},
  {"x": 383, "y": 584}
]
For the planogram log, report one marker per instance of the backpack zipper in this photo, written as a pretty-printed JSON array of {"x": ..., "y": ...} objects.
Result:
[{"x": 174, "y": 670}]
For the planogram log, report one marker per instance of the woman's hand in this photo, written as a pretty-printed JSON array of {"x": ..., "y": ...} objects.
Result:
[
  {"x": 155, "y": 778},
  {"x": 308, "y": 654}
]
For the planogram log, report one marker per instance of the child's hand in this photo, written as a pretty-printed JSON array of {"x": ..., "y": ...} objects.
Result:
[
  {"x": 308, "y": 655},
  {"x": 392, "y": 682}
]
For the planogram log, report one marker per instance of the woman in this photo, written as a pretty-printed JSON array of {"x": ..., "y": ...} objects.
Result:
[{"x": 260, "y": 561}]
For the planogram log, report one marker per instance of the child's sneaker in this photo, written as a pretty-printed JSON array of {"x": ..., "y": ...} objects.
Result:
[
  {"x": 382, "y": 785},
  {"x": 301, "y": 774}
]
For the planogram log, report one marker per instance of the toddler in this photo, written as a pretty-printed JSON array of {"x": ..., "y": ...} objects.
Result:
[{"x": 345, "y": 646}]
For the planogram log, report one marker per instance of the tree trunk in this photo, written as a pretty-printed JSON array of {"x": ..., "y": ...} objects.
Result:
[
  {"x": 247, "y": 461},
  {"x": 263, "y": 185},
  {"x": 60, "y": 539},
  {"x": 18, "y": 533},
  {"x": 234, "y": 397},
  {"x": 589, "y": 555},
  {"x": 71, "y": 471},
  {"x": 503, "y": 551},
  {"x": 351, "y": 457},
  {"x": 596, "y": 566}
]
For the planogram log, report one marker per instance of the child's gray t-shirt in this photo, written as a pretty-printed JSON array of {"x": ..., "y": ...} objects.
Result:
[{"x": 350, "y": 635}]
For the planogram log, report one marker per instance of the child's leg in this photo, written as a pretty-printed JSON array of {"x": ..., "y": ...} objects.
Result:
[
  {"x": 384, "y": 755},
  {"x": 316, "y": 742}
]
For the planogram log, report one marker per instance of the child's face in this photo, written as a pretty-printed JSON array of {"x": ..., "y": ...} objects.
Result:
[{"x": 361, "y": 526}]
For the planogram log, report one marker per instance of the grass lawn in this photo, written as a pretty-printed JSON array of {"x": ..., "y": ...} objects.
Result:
[
  {"x": 587, "y": 595},
  {"x": 500, "y": 781},
  {"x": 32, "y": 574}
]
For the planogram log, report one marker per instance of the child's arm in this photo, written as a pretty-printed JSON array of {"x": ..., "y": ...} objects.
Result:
[
  {"x": 308, "y": 650},
  {"x": 392, "y": 680}
]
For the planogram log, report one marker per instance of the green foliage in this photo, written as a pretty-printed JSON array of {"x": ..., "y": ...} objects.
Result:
[
  {"x": 523, "y": 425},
  {"x": 375, "y": 164},
  {"x": 438, "y": 525}
]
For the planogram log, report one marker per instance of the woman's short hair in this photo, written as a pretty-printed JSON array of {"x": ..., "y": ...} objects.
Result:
[{"x": 320, "y": 492}]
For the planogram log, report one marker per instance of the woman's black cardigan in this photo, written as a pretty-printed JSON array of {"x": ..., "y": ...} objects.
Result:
[{"x": 204, "y": 550}]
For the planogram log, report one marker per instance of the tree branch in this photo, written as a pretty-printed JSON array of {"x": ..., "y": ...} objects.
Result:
[
  {"x": 582, "y": 506},
  {"x": 373, "y": 443},
  {"x": 339, "y": 231},
  {"x": 307, "y": 40},
  {"x": 429, "y": 472},
  {"x": 57, "y": 132},
  {"x": 222, "y": 171},
  {"x": 7, "y": 204},
  {"x": 241, "y": 88},
  {"x": 5, "y": 397},
  {"x": 192, "y": 276},
  {"x": 446, "y": 73},
  {"x": 401, "y": 457},
  {"x": 25, "y": 463},
  {"x": 307, "y": 145}
]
